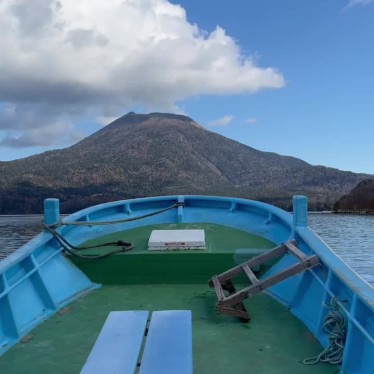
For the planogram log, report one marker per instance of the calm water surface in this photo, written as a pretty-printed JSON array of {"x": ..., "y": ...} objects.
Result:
[
  {"x": 352, "y": 237},
  {"x": 17, "y": 230}
]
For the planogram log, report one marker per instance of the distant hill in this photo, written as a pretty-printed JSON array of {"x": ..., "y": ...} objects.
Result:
[
  {"x": 360, "y": 198},
  {"x": 162, "y": 154}
]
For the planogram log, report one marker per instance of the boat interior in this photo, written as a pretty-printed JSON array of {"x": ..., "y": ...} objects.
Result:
[
  {"x": 273, "y": 341},
  {"x": 57, "y": 308}
]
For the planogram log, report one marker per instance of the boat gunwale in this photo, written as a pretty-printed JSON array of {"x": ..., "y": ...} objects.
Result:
[
  {"x": 264, "y": 220},
  {"x": 311, "y": 239},
  {"x": 44, "y": 237}
]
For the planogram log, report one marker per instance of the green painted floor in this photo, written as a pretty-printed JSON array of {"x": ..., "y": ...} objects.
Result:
[
  {"x": 219, "y": 239},
  {"x": 273, "y": 342},
  {"x": 225, "y": 248}
]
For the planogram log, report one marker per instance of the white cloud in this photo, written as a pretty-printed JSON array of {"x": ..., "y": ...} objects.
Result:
[
  {"x": 352, "y": 3},
  {"x": 251, "y": 120},
  {"x": 221, "y": 122},
  {"x": 54, "y": 134},
  {"x": 72, "y": 56},
  {"x": 27, "y": 125},
  {"x": 105, "y": 120}
]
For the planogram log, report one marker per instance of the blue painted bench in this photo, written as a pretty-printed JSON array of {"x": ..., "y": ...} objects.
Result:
[
  {"x": 117, "y": 347},
  {"x": 167, "y": 350}
]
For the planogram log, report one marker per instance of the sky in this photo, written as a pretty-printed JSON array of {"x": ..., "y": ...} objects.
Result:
[{"x": 295, "y": 77}]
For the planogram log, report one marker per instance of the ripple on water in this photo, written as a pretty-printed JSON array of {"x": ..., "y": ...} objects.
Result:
[
  {"x": 17, "y": 230},
  {"x": 351, "y": 237}
]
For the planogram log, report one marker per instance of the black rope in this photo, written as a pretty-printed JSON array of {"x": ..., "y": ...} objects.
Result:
[
  {"x": 125, "y": 246},
  {"x": 95, "y": 257},
  {"x": 59, "y": 236},
  {"x": 124, "y": 220}
]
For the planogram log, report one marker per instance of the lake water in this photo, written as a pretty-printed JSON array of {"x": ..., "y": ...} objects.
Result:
[
  {"x": 350, "y": 236},
  {"x": 17, "y": 230}
]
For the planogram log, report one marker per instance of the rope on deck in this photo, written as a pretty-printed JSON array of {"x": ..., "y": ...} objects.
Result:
[
  {"x": 124, "y": 245},
  {"x": 70, "y": 247},
  {"x": 334, "y": 325}
]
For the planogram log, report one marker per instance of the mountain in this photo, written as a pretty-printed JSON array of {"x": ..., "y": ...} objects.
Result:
[
  {"x": 360, "y": 198},
  {"x": 162, "y": 154}
]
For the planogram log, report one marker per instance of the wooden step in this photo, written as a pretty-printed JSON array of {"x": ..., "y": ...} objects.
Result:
[
  {"x": 258, "y": 260},
  {"x": 293, "y": 250},
  {"x": 237, "y": 310},
  {"x": 232, "y": 304},
  {"x": 251, "y": 276},
  {"x": 270, "y": 281},
  {"x": 218, "y": 288}
]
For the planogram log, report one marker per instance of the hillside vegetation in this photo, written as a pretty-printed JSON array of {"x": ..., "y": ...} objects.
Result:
[
  {"x": 162, "y": 154},
  {"x": 360, "y": 198}
]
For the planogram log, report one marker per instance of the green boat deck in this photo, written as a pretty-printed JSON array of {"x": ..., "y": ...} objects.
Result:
[
  {"x": 225, "y": 248},
  {"x": 272, "y": 342}
]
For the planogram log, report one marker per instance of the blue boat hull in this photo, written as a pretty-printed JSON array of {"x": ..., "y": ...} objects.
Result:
[{"x": 37, "y": 280}]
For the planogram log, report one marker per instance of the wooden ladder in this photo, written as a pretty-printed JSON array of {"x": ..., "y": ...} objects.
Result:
[{"x": 233, "y": 303}]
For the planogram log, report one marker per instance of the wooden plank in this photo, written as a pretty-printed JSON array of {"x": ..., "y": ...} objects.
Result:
[
  {"x": 218, "y": 288},
  {"x": 270, "y": 281},
  {"x": 168, "y": 348},
  {"x": 240, "y": 311},
  {"x": 292, "y": 249},
  {"x": 258, "y": 260},
  {"x": 117, "y": 347},
  {"x": 251, "y": 276}
]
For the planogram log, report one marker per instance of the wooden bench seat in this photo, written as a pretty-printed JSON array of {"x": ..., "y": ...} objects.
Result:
[{"x": 167, "y": 349}]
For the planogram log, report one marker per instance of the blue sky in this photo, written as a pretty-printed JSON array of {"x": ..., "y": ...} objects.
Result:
[{"x": 291, "y": 77}]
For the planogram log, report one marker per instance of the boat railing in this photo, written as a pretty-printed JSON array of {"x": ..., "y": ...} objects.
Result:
[{"x": 38, "y": 269}]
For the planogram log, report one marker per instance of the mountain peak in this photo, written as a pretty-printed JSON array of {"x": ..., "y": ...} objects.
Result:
[
  {"x": 134, "y": 118},
  {"x": 142, "y": 117},
  {"x": 162, "y": 154}
]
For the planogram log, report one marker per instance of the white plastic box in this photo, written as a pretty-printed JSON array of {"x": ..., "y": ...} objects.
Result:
[{"x": 161, "y": 240}]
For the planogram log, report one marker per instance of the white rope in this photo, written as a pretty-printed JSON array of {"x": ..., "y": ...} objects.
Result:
[{"x": 334, "y": 325}]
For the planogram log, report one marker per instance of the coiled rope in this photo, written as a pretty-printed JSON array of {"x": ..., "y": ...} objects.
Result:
[
  {"x": 334, "y": 325},
  {"x": 125, "y": 246}
]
